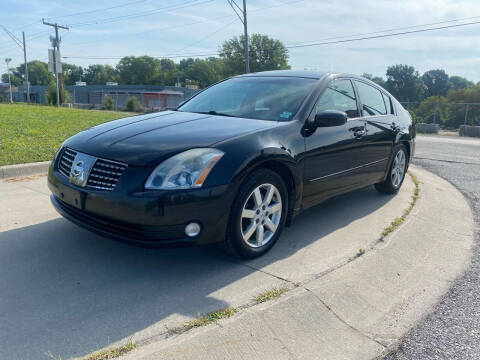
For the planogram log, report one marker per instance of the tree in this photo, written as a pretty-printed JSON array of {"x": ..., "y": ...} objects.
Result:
[
  {"x": 99, "y": 74},
  {"x": 202, "y": 72},
  {"x": 71, "y": 73},
  {"x": 264, "y": 54},
  {"x": 37, "y": 73},
  {"x": 376, "y": 79},
  {"x": 404, "y": 83},
  {"x": 144, "y": 70},
  {"x": 436, "y": 83},
  {"x": 433, "y": 109},
  {"x": 168, "y": 73},
  {"x": 14, "y": 79},
  {"x": 458, "y": 82}
]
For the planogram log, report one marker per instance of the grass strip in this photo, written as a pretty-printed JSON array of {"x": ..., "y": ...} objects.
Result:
[
  {"x": 111, "y": 353},
  {"x": 401, "y": 219},
  {"x": 269, "y": 295}
]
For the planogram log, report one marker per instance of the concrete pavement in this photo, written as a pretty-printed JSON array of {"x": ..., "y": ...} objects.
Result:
[
  {"x": 452, "y": 331},
  {"x": 70, "y": 292},
  {"x": 356, "y": 311}
]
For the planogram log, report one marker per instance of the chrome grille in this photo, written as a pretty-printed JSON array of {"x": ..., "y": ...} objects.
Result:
[
  {"x": 66, "y": 161},
  {"x": 105, "y": 174}
]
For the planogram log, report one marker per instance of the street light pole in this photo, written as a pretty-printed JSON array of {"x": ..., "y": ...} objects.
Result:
[{"x": 7, "y": 60}]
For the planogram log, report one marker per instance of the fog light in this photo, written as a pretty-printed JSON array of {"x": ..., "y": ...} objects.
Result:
[{"x": 192, "y": 229}]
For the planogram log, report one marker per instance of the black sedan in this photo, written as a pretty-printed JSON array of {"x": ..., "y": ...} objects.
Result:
[{"x": 235, "y": 163}]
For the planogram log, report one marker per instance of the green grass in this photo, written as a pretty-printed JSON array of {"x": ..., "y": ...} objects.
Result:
[
  {"x": 400, "y": 220},
  {"x": 205, "y": 319},
  {"x": 30, "y": 133},
  {"x": 111, "y": 353},
  {"x": 269, "y": 295}
]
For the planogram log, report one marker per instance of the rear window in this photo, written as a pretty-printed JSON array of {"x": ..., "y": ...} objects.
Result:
[{"x": 371, "y": 99}]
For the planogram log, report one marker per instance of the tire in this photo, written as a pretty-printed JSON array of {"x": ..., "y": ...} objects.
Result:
[
  {"x": 256, "y": 222},
  {"x": 396, "y": 173}
]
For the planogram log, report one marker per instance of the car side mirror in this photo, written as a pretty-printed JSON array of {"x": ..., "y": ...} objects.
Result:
[{"x": 330, "y": 118}]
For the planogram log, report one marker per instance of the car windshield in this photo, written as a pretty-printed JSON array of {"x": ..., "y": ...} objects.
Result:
[{"x": 264, "y": 98}]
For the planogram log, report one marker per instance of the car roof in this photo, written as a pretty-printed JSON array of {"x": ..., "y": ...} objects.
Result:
[
  {"x": 289, "y": 73},
  {"x": 311, "y": 74}
]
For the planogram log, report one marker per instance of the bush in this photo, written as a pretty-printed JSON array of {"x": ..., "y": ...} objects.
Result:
[
  {"x": 132, "y": 104},
  {"x": 51, "y": 94},
  {"x": 108, "y": 102}
]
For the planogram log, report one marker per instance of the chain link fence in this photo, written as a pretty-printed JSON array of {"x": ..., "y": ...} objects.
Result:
[{"x": 448, "y": 115}]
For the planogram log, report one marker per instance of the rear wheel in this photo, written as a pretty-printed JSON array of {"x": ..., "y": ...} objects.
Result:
[
  {"x": 258, "y": 214},
  {"x": 396, "y": 175}
]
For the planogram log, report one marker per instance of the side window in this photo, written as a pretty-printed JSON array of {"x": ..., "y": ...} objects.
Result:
[
  {"x": 339, "y": 95},
  {"x": 371, "y": 99},
  {"x": 388, "y": 104}
]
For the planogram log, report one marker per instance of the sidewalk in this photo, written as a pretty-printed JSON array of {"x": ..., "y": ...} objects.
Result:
[
  {"x": 357, "y": 311},
  {"x": 90, "y": 292}
]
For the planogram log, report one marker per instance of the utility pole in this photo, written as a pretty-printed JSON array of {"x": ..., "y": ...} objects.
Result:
[
  {"x": 24, "y": 48},
  {"x": 243, "y": 19},
  {"x": 56, "y": 49},
  {"x": 245, "y": 34},
  {"x": 7, "y": 60},
  {"x": 26, "y": 67},
  {"x": 466, "y": 114}
]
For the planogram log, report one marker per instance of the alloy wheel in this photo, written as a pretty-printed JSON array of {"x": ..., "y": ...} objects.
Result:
[
  {"x": 398, "y": 169},
  {"x": 261, "y": 214}
]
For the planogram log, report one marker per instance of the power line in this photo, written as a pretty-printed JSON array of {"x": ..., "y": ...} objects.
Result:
[
  {"x": 382, "y": 36},
  {"x": 386, "y": 30},
  {"x": 186, "y": 4},
  {"x": 316, "y": 44},
  {"x": 205, "y": 37},
  {"x": 154, "y": 56},
  {"x": 99, "y": 10}
]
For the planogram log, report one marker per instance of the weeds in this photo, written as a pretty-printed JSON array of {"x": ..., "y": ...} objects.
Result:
[{"x": 269, "y": 295}]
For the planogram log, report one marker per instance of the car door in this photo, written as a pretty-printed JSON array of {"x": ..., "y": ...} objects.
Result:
[
  {"x": 331, "y": 157},
  {"x": 377, "y": 111}
]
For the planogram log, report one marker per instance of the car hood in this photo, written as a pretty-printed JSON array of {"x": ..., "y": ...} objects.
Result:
[{"x": 145, "y": 140}]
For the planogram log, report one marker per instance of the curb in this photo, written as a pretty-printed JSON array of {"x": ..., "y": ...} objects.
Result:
[
  {"x": 35, "y": 168},
  {"x": 364, "y": 307}
]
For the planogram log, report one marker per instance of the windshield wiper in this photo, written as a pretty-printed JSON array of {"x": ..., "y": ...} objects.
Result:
[{"x": 213, "y": 112}]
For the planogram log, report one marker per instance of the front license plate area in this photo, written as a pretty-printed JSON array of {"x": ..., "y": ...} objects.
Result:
[{"x": 73, "y": 197}]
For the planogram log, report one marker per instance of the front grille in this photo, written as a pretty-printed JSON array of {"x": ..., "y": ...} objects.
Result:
[
  {"x": 66, "y": 161},
  {"x": 105, "y": 174}
]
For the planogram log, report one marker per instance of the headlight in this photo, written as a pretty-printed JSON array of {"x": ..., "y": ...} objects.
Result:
[{"x": 186, "y": 170}]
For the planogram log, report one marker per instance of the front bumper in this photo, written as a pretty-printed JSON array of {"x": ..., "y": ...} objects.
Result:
[{"x": 148, "y": 218}]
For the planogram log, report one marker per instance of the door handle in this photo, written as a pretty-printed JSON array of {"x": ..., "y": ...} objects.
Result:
[{"x": 358, "y": 132}]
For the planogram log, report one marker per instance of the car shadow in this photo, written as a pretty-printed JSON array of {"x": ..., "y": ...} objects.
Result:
[{"x": 68, "y": 291}]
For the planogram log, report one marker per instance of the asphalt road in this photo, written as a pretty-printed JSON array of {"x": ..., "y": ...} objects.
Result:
[{"x": 452, "y": 331}]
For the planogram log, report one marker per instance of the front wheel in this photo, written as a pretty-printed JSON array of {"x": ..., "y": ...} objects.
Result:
[
  {"x": 397, "y": 171},
  {"x": 258, "y": 214}
]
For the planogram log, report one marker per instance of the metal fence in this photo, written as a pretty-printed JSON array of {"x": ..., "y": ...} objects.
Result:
[{"x": 448, "y": 115}]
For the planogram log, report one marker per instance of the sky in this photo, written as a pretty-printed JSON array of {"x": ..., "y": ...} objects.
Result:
[{"x": 175, "y": 28}]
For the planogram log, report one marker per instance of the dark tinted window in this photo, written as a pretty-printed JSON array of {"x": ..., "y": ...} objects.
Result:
[
  {"x": 371, "y": 99},
  {"x": 339, "y": 95},
  {"x": 266, "y": 98},
  {"x": 388, "y": 103}
]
